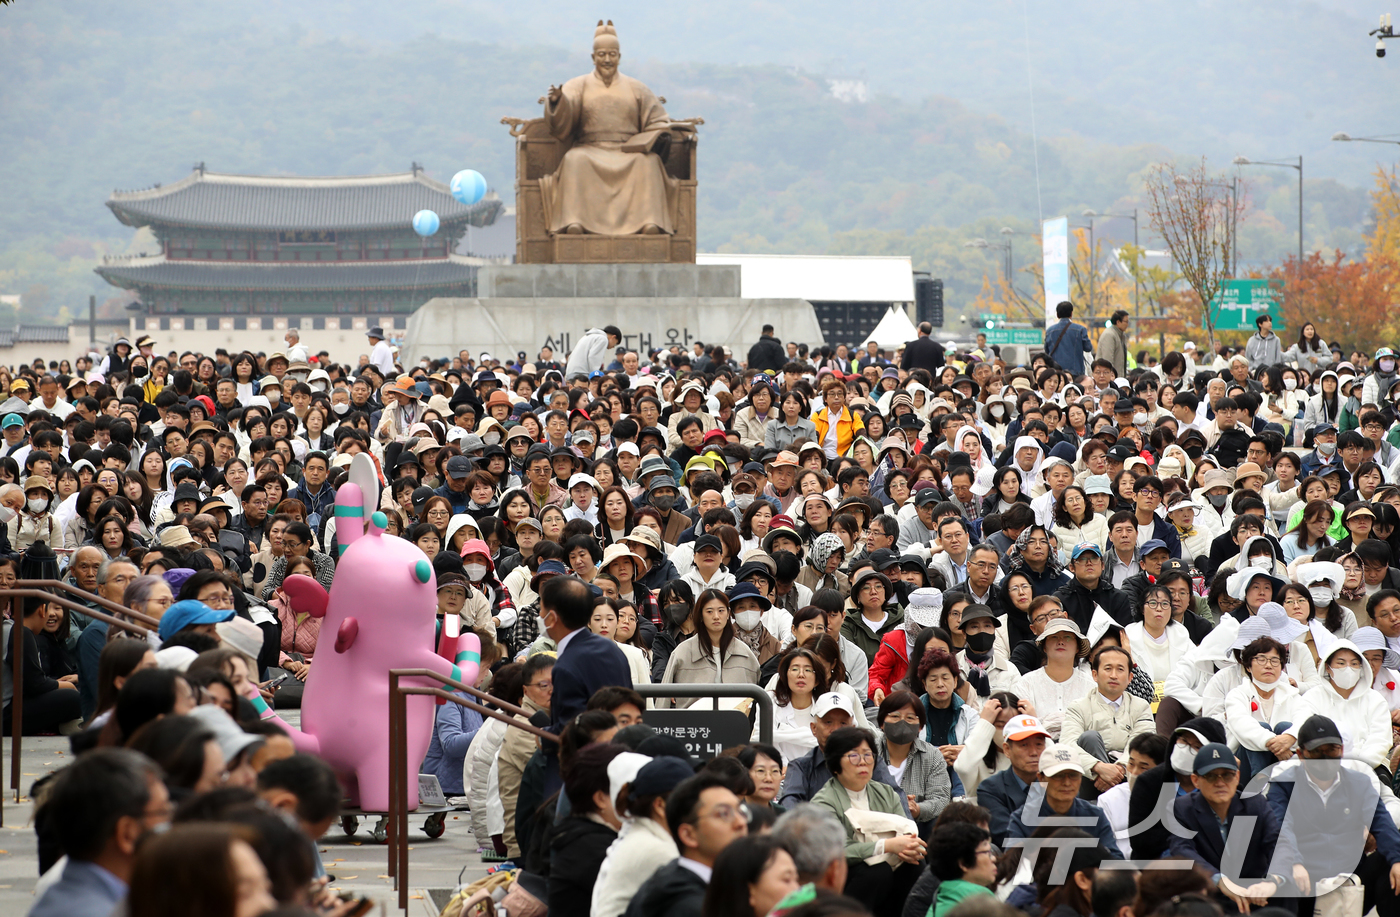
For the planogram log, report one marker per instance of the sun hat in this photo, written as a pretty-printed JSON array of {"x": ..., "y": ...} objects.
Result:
[
  {"x": 925, "y": 607},
  {"x": 1064, "y": 626}
]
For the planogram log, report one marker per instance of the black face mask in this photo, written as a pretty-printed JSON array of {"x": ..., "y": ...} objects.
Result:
[
  {"x": 138, "y": 371},
  {"x": 1194, "y": 452},
  {"x": 676, "y": 613},
  {"x": 788, "y": 565},
  {"x": 980, "y": 643},
  {"x": 902, "y": 591}
]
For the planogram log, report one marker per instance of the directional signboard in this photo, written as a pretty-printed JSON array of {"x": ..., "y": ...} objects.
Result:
[
  {"x": 1000, "y": 331},
  {"x": 1241, "y": 301}
]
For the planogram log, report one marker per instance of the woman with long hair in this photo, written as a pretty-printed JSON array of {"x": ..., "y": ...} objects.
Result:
[
  {"x": 1309, "y": 533},
  {"x": 751, "y": 875},
  {"x": 801, "y": 680},
  {"x": 712, "y": 655},
  {"x": 1310, "y": 352}
]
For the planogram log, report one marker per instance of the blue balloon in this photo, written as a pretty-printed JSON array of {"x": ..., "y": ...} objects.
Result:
[
  {"x": 468, "y": 186},
  {"x": 426, "y": 223}
]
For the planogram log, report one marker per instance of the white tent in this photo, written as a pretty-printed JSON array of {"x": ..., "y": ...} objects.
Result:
[{"x": 894, "y": 330}]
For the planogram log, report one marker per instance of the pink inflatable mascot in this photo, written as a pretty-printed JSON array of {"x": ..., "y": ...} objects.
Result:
[{"x": 379, "y": 615}]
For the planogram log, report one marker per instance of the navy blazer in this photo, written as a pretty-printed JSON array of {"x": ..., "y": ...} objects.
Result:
[
  {"x": 1206, "y": 845},
  {"x": 588, "y": 663},
  {"x": 1002, "y": 794}
]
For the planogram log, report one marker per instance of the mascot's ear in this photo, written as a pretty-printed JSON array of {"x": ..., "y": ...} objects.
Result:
[{"x": 307, "y": 595}]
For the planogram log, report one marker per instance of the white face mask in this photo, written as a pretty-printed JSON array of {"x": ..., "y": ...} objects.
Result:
[
  {"x": 1132, "y": 779},
  {"x": 743, "y": 501},
  {"x": 1321, "y": 595},
  {"x": 1140, "y": 419},
  {"x": 1264, "y": 685},
  {"x": 491, "y": 439},
  {"x": 748, "y": 620},
  {"x": 341, "y": 409},
  {"x": 1326, "y": 448},
  {"x": 6, "y": 514},
  {"x": 1290, "y": 383},
  {"x": 1262, "y": 562},
  {"x": 1346, "y": 678},
  {"x": 1183, "y": 758},
  {"x": 38, "y": 504},
  {"x": 475, "y": 572}
]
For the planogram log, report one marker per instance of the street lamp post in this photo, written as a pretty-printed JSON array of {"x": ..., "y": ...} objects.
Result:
[
  {"x": 1004, "y": 246},
  {"x": 1244, "y": 161},
  {"x": 1137, "y": 284}
]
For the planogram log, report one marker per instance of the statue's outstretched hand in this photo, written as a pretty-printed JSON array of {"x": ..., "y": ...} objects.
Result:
[{"x": 555, "y": 94}]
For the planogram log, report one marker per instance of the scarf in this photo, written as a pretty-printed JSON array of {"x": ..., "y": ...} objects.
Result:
[
  {"x": 1053, "y": 567},
  {"x": 976, "y": 671}
]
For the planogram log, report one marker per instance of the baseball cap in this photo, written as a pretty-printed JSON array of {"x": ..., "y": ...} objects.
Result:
[
  {"x": 1023, "y": 727},
  {"x": 710, "y": 542},
  {"x": 926, "y": 495},
  {"x": 1316, "y": 731},
  {"x": 1060, "y": 758},
  {"x": 1085, "y": 547},
  {"x": 230, "y": 736},
  {"x": 1120, "y": 453},
  {"x": 1174, "y": 566},
  {"x": 1098, "y": 484},
  {"x": 1214, "y": 757},
  {"x": 832, "y": 701},
  {"x": 189, "y": 613},
  {"x": 546, "y": 568},
  {"x": 660, "y": 775},
  {"x": 748, "y": 591},
  {"x": 629, "y": 448},
  {"x": 11, "y": 420},
  {"x": 1152, "y": 544},
  {"x": 458, "y": 467}
]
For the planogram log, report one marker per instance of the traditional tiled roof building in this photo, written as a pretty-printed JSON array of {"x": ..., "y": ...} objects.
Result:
[{"x": 327, "y": 249}]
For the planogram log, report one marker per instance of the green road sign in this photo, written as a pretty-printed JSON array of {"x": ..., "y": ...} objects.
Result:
[
  {"x": 1241, "y": 301},
  {"x": 1031, "y": 336}
]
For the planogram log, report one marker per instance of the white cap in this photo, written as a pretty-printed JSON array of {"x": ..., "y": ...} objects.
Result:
[
  {"x": 1189, "y": 345},
  {"x": 579, "y": 477},
  {"x": 622, "y": 770},
  {"x": 630, "y": 448},
  {"x": 175, "y": 657},
  {"x": 1059, "y": 758},
  {"x": 830, "y": 701}
]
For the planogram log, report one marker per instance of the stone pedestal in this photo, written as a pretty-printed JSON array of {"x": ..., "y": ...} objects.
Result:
[{"x": 528, "y": 306}]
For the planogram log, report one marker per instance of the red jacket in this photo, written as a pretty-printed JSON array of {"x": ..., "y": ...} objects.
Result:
[{"x": 891, "y": 662}]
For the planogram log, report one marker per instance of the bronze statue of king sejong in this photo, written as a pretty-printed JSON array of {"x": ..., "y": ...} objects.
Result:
[{"x": 611, "y": 181}]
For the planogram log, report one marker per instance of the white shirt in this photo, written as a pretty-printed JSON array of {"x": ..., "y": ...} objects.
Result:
[
  {"x": 382, "y": 358},
  {"x": 700, "y": 869},
  {"x": 829, "y": 444}
]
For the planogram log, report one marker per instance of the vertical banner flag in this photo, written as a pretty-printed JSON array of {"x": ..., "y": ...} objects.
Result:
[{"x": 1054, "y": 241}]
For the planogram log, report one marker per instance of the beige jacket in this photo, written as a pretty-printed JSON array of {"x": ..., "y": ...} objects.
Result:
[
  {"x": 1118, "y": 726},
  {"x": 690, "y": 665},
  {"x": 751, "y": 428},
  {"x": 516, "y": 749}
]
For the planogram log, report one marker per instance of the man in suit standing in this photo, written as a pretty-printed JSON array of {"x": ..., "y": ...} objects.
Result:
[
  {"x": 585, "y": 661},
  {"x": 923, "y": 352},
  {"x": 100, "y": 807}
]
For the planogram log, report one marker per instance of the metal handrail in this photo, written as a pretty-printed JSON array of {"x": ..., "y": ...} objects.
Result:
[
  {"x": 398, "y": 752},
  {"x": 45, "y": 589},
  {"x": 754, "y": 692},
  {"x": 398, "y": 739}
]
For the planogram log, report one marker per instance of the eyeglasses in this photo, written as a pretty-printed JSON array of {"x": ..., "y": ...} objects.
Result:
[
  {"x": 727, "y": 813},
  {"x": 1268, "y": 662},
  {"x": 219, "y": 598},
  {"x": 1148, "y": 492},
  {"x": 860, "y": 757},
  {"x": 1219, "y": 775},
  {"x": 1048, "y": 617},
  {"x": 542, "y": 685},
  {"x": 1159, "y": 605},
  {"x": 983, "y": 564}
]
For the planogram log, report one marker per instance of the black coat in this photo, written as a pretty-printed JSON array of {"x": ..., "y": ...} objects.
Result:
[
  {"x": 576, "y": 853},
  {"x": 672, "y": 891},
  {"x": 923, "y": 353},
  {"x": 767, "y": 354},
  {"x": 1079, "y": 603}
]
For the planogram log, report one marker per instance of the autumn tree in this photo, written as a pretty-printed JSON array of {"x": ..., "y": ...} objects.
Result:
[
  {"x": 1195, "y": 213},
  {"x": 1347, "y": 301}
]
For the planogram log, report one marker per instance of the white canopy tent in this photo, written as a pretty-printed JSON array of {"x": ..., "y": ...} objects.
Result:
[{"x": 894, "y": 330}]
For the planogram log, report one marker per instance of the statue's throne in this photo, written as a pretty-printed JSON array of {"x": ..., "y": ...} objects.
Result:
[{"x": 538, "y": 153}]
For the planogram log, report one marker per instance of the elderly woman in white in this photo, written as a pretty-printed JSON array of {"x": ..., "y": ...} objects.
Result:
[
  {"x": 1346, "y": 697},
  {"x": 1263, "y": 706},
  {"x": 1272, "y": 621},
  {"x": 1384, "y": 663}
]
